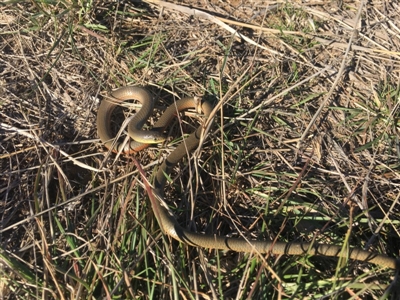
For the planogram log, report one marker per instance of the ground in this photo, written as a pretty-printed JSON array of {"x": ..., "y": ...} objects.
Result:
[{"x": 304, "y": 146}]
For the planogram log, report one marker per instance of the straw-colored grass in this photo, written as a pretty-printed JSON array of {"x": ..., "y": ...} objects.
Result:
[{"x": 305, "y": 146}]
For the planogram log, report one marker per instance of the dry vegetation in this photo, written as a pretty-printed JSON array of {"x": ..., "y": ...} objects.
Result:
[{"x": 305, "y": 146}]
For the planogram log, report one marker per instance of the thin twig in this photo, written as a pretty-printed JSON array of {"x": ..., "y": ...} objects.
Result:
[{"x": 338, "y": 77}]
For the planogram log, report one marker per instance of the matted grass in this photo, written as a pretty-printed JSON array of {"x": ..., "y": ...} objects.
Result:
[{"x": 305, "y": 146}]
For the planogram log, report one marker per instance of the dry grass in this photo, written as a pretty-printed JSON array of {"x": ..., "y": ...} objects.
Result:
[{"x": 305, "y": 146}]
